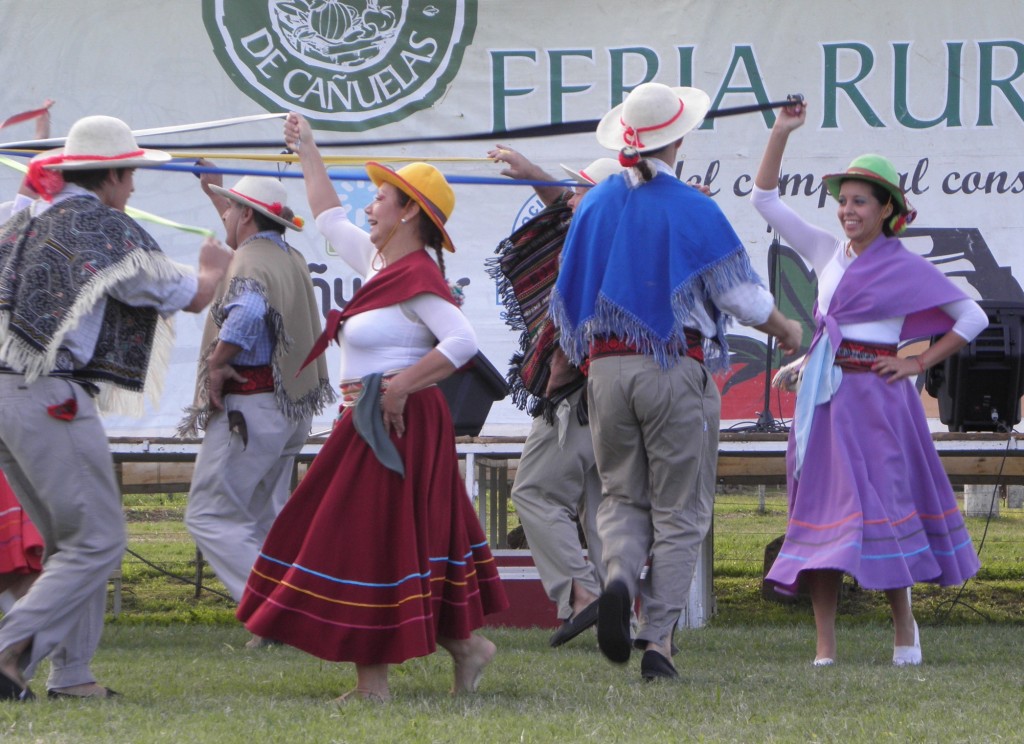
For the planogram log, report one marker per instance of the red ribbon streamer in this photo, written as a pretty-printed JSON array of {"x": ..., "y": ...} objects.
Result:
[{"x": 23, "y": 116}]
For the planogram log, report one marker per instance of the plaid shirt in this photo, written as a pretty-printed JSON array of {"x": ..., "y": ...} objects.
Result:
[{"x": 245, "y": 324}]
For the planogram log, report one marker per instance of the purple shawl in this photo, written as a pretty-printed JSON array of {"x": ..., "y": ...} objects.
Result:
[{"x": 887, "y": 281}]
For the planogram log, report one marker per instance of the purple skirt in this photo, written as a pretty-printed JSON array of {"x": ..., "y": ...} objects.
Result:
[{"x": 872, "y": 499}]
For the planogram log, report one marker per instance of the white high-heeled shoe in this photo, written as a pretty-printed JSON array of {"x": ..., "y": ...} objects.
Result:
[{"x": 908, "y": 655}]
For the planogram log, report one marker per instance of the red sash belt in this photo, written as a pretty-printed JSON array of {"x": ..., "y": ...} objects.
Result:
[
  {"x": 604, "y": 346},
  {"x": 259, "y": 379},
  {"x": 858, "y": 356},
  {"x": 352, "y": 389}
]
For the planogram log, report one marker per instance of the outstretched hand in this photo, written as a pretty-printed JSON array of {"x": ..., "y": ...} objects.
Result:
[
  {"x": 206, "y": 180},
  {"x": 789, "y": 341},
  {"x": 519, "y": 166},
  {"x": 296, "y": 131},
  {"x": 792, "y": 117}
]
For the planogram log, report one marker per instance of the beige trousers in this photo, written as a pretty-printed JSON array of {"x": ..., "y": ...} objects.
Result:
[
  {"x": 656, "y": 444},
  {"x": 63, "y": 475},
  {"x": 238, "y": 489},
  {"x": 556, "y": 484}
]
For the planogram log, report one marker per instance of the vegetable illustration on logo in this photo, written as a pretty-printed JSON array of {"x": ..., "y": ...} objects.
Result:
[{"x": 348, "y": 65}]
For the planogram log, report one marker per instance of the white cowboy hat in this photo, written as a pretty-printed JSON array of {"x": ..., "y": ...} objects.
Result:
[
  {"x": 652, "y": 116},
  {"x": 102, "y": 142},
  {"x": 262, "y": 194},
  {"x": 596, "y": 172}
]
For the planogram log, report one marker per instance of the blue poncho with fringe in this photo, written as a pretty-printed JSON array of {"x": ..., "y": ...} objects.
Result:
[{"x": 637, "y": 260}]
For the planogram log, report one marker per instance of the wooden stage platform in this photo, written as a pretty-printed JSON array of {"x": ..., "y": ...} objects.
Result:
[
  {"x": 157, "y": 464},
  {"x": 154, "y": 465}
]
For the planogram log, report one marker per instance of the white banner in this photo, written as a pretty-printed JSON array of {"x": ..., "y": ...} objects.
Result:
[{"x": 935, "y": 85}]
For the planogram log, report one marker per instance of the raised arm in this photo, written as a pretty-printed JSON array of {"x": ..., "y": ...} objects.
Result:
[
  {"x": 206, "y": 180},
  {"x": 523, "y": 169},
  {"x": 298, "y": 136},
  {"x": 214, "y": 259},
  {"x": 789, "y": 119}
]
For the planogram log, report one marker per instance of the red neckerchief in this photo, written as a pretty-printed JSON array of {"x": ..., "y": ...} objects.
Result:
[{"x": 409, "y": 276}]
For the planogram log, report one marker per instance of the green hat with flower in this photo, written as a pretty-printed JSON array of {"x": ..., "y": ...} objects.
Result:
[{"x": 879, "y": 170}]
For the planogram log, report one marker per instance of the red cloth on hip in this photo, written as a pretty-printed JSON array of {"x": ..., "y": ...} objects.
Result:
[{"x": 21, "y": 545}]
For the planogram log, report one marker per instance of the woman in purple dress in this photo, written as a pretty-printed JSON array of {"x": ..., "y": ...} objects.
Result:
[{"x": 867, "y": 493}]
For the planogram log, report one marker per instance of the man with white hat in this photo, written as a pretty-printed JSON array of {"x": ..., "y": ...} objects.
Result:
[
  {"x": 651, "y": 270},
  {"x": 252, "y": 400},
  {"x": 85, "y": 300},
  {"x": 556, "y": 484}
]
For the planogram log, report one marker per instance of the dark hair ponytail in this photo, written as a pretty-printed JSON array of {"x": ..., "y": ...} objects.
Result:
[{"x": 642, "y": 167}]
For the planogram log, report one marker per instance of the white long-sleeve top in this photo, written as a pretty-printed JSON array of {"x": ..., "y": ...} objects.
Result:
[
  {"x": 827, "y": 255},
  {"x": 395, "y": 337}
]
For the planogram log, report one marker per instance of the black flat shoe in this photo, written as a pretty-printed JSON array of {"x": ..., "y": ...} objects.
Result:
[
  {"x": 655, "y": 666},
  {"x": 585, "y": 618},
  {"x": 58, "y": 695},
  {"x": 613, "y": 623},
  {"x": 11, "y": 690}
]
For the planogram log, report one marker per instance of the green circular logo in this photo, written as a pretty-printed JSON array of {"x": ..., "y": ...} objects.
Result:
[{"x": 349, "y": 65}]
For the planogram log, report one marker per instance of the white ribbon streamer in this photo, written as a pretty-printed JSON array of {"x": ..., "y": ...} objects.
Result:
[{"x": 175, "y": 129}]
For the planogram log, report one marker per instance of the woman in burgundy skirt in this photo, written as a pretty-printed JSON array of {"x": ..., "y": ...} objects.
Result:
[{"x": 379, "y": 556}]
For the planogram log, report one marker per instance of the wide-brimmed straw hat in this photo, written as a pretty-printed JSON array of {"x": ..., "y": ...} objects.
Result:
[
  {"x": 652, "y": 116},
  {"x": 596, "y": 172},
  {"x": 263, "y": 194},
  {"x": 102, "y": 142},
  {"x": 878, "y": 170},
  {"x": 425, "y": 185}
]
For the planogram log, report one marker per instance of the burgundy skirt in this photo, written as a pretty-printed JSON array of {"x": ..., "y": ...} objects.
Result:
[
  {"x": 362, "y": 565},
  {"x": 21, "y": 545}
]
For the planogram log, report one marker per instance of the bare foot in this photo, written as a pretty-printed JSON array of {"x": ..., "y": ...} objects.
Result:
[
  {"x": 470, "y": 657},
  {"x": 9, "y": 665},
  {"x": 581, "y": 598}
]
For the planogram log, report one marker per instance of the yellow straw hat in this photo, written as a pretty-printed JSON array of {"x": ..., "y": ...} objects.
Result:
[{"x": 425, "y": 185}]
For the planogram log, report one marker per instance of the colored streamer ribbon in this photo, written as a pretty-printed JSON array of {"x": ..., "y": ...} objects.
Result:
[
  {"x": 132, "y": 212},
  {"x": 541, "y": 130},
  {"x": 174, "y": 129},
  {"x": 23, "y": 116}
]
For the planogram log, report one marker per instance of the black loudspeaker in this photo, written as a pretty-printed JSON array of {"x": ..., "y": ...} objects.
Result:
[
  {"x": 980, "y": 387},
  {"x": 470, "y": 392}
]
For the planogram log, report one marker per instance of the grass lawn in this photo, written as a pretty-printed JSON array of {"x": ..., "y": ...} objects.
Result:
[
  {"x": 196, "y": 683},
  {"x": 180, "y": 663}
]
